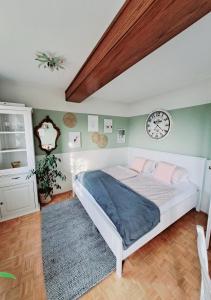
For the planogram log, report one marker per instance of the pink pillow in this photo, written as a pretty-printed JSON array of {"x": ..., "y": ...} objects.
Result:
[
  {"x": 138, "y": 164},
  {"x": 164, "y": 172}
]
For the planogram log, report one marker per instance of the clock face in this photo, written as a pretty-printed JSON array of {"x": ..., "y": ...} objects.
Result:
[{"x": 158, "y": 124}]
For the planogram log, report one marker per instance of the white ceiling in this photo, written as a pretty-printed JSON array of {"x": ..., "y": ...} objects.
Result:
[
  {"x": 185, "y": 60},
  {"x": 72, "y": 29}
]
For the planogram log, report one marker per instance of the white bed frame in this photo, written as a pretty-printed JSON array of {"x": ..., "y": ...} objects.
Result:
[{"x": 194, "y": 165}]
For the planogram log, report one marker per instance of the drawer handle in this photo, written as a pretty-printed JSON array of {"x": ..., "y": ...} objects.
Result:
[
  {"x": 15, "y": 177},
  {"x": 1, "y": 203}
]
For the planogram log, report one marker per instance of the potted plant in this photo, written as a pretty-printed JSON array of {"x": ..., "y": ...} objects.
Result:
[{"x": 47, "y": 174}]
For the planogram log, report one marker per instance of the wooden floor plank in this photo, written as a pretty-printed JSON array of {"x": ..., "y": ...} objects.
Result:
[{"x": 165, "y": 268}]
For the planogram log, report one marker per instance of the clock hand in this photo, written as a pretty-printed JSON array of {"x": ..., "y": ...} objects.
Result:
[
  {"x": 157, "y": 122},
  {"x": 159, "y": 127}
]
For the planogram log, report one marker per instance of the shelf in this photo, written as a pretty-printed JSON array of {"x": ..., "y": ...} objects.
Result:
[
  {"x": 11, "y": 132},
  {"x": 12, "y": 150},
  {"x": 13, "y": 171}
]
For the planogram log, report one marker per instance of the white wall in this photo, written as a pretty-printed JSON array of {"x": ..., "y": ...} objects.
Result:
[
  {"x": 54, "y": 98},
  {"x": 47, "y": 98},
  {"x": 186, "y": 97},
  {"x": 72, "y": 163}
]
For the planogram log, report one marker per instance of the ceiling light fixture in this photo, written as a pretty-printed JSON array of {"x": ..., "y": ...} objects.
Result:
[{"x": 49, "y": 61}]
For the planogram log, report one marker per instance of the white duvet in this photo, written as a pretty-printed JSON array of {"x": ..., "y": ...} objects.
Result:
[{"x": 163, "y": 195}]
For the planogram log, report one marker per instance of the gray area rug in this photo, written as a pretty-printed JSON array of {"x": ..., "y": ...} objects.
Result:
[{"x": 75, "y": 256}]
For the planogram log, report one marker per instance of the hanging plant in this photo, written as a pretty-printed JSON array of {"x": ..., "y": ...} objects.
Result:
[{"x": 49, "y": 61}]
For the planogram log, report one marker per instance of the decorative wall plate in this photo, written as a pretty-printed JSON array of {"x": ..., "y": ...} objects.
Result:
[
  {"x": 70, "y": 120},
  {"x": 103, "y": 141},
  {"x": 95, "y": 137},
  {"x": 100, "y": 139}
]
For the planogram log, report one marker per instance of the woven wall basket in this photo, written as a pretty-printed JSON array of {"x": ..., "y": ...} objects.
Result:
[
  {"x": 70, "y": 120},
  {"x": 103, "y": 141},
  {"x": 100, "y": 139},
  {"x": 95, "y": 137}
]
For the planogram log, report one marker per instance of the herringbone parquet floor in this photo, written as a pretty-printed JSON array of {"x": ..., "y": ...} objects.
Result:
[{"x": 166, "y": 268}]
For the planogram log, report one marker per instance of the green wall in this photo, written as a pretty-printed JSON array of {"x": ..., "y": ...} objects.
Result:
[
  {"x": 190, "y": 133},
  {"x": 82, "y": 126}
]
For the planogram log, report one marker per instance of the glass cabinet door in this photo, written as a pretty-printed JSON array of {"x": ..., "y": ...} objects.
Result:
[{"x": 13, "y": 152}]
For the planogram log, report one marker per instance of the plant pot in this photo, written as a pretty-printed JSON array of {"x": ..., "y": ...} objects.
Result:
[{"x": 44, "y": 199}]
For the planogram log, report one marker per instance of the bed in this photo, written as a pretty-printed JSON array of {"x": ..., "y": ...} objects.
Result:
[{"x": 172, "y": 202}]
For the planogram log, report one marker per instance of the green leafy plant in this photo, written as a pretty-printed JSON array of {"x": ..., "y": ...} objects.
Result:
[
  {"x": 49, "y": 61},
  {"x": 7, "y": 275},
  {"x": 47, "y": 174}
]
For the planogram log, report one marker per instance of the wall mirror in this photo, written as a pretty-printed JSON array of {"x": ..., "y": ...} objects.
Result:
[{"x": 47, "y": 133}]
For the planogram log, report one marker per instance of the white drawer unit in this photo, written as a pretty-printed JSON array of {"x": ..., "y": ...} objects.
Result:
[
  {"x": 18, "y": 195},
  {"x": 17, "y": 200},
  {"x": 13, "y": 179}
]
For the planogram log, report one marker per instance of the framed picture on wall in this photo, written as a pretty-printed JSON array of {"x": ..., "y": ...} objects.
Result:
[
  {"x": 120, "y": 136},
  {"x": 107, "y": 125},
  {"x": 74, "y": 140},
  {"x": 92, "y": 123}
]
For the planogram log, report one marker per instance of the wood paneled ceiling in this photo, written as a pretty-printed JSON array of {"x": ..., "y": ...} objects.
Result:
[{"x": 140, "y": 27}]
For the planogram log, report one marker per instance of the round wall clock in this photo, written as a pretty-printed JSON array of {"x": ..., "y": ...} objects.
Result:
[{"x": 158, "y": 124}]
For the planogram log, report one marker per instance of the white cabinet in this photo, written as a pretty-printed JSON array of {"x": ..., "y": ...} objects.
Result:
[
  {"x": 17, "y": 200},
  {"x": 18, "y": 195}
]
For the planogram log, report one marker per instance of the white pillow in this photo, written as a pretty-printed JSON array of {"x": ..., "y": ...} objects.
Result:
[
  {"x": 180, "y": 175},
  {"x": 138, "y": 164},
  {"x": 164, "y": 172},
  {"x": 149, "y": 166}
]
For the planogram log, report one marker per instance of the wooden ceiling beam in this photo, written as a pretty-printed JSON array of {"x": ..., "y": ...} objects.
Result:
[{"x": 140, "y": 27}]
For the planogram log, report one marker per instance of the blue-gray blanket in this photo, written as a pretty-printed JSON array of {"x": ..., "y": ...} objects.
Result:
[{"x": 132, "y": 214}]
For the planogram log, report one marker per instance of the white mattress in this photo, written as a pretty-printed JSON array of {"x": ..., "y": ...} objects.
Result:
[{"x": 164, "y": 196}]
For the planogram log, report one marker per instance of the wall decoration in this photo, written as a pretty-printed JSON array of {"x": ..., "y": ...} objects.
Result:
[
  {"x": 103, "y": 141},
  {"x": 47, "y": 133},
  {"x": 82, "y": 125},
  {"x": 70, "y": 120},
  {"x": 92, "y": 123},
  {"x": 108, "y": 125},
  {"x": 50, "y": 61},
  {"x": 75, "y": 139},
  {"x": 158, "y": 124},
  {"x": 95, "y": 137},
  {"x": 121, "y": 136},
  {"x": 100, "y": 139},
  {"x": 16, "y": 164}
]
